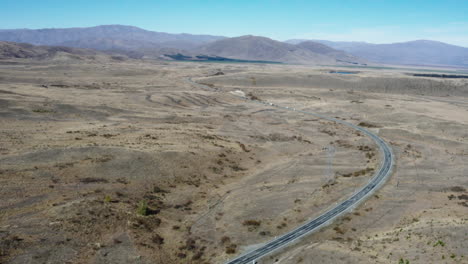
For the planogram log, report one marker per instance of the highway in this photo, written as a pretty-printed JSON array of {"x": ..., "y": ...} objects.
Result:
[{"x": 343, "y": 207}]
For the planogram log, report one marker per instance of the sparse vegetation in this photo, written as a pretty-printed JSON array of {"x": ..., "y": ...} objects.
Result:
[
  {"x": 231, "y": 248},
  {"x": 368, "y": 125},
  {"x": 225, "y": 239},
  {"x": 142, "y": 208},
  {"x": 152, "y": 174},
  {"x": 43, "y": 110},
  {"x": 93, "y": 180},
  {"x": 253, "y": 97},
  {"x": 157, "y": 239},
  {"x": 339, "y": 230},
  {"x": 107, "y": 199},
  {"x": 252, "y": 223},
  {"x": 458, "y": 189},
  {"x": 403, "y": 261}
]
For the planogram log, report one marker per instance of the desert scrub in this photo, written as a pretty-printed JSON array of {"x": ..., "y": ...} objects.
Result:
[
  {"x": 142, "y": 208},
  {"x": 157, "y": 239},
  {"x": 42, "y": 110},
  {"x": 225, "y": 239},
  {"x": 366, "y": 124},
  {"x": 107, "y": 199},
  {"x": 252, "y": 223},
  {"x": 402, "y": 261},
  {"x": 231, "y": 249}
]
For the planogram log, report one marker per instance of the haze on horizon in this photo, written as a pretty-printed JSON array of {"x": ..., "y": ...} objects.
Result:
[{"x": 352, "y": 20}]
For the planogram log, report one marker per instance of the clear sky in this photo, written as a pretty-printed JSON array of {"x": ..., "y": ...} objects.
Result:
[{"x": 376, "y": 21}]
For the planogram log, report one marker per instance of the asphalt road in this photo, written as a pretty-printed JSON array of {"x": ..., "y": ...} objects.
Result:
[{"x": 343, "y": 207}]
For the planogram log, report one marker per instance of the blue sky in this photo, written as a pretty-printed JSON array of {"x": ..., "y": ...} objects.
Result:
[{"x": 376, "y": 21}]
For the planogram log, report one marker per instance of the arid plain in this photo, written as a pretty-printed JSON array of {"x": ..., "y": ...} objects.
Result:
[{"x": 109, "y": 161}]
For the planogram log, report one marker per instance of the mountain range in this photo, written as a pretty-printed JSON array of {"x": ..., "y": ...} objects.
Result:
[
  {"x": 139, "y": 43},
  {"x": 14, "y": 50},
  {"x": 260, "y": 48},
  {"x": 418, "y": 52}
]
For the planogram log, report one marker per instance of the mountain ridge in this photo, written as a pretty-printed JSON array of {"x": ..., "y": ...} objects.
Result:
[
  {"x": 250, "y": 47},
  {"x": 14, "y": 50},
  {"x": 140, "y": 43},
  {"x": 417, "y": 52}
]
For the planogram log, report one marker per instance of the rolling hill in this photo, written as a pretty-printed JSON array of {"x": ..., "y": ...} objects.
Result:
[
  {"x": 139, "y": 43},
  {"x": 260, "y": 48},
  {"x": 13, "y": 50},
  {"x": 418, "y": 52},
  {"x": 106, "y": 37},
  {"x": 338, "y": 55}
]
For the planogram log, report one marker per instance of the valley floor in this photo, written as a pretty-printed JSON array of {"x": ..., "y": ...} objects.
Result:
[{"x": 128, "y": 162}]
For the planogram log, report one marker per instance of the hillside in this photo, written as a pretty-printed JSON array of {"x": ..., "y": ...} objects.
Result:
[
  {"x": 418, "y": 52},
  {"x": 261, "y": 48},
  {"x": 339, "y": 55},
  {"x": 12, "y": 50},
  {"x": 116, "y": 37},
  {"x": 111, "y": 44}
]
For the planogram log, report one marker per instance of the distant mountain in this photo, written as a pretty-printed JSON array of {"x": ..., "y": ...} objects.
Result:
[
  {"x": 139, "y": 43},
  {"x": 55, "y": 36},
  {"x": 339, "y": 45},
  {"x": 419, "y": 52},
  {"x": 12, "y": 50},
  {"x": 338, "y": 55},
  {"x": 265, "y": 49},
  {"x": 111, "y": 44},
  {"x": 108, "y": 37}
]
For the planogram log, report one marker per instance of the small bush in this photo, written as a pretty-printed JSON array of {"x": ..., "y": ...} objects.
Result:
[
  {"x": 457, "y": 189},
  {"x": 339, "y": 230},
  {"x": 107, "y": 199},
  {"x": 190, "y": 244},
  {"x": 253, "y": 97},
  {"x": 369, "y": 125},
  {"x": 143, "y": 208},
  {"x": 42, "y": 110},
  {"x": 157, "y": 189},
  {"x": 93, "y": 180},
  {"x": 362, "y": 172},
  {"x": 252, "y": 223},
  {"x": 157, "y": 239},
  {"x": 231, "y": 249},
  {"x": 403, "y": 261},
  {"x": 225, "y": 239}
]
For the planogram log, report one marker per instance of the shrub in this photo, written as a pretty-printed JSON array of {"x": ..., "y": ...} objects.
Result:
[
  {"x": 107, "y": 199},
  {"x": 225, "y": 239},
  {"x": 93, "y": 180},
  {"x": 369, "y": 125},
  {"x": 403, "y": 261},
  {"x": 143, "y": 208},
  {"x": 252, "y": 223},
  {"x": 157, "y": 239},
  {"x": 457, "y": 189},
  {"x": 157, "y": 189},
  {"x": 231, "y": 249},
  {"x": 42, "y": 110}
]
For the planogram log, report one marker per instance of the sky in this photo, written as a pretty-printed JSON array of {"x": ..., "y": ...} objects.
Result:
[{"x": 374, "y": 21}]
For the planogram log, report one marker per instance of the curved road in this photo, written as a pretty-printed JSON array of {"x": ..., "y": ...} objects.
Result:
[{"x": 314, "y": 224}]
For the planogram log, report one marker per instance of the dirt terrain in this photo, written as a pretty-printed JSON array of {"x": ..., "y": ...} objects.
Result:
[{"x": 130, "y": 162}]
